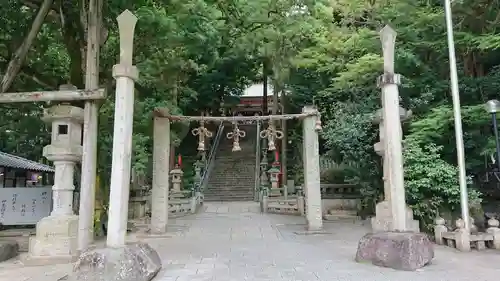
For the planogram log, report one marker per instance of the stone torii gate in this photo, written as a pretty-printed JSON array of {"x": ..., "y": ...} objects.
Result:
[
  {"x": 132, "y": 257},
  {"x": 56, "y": 235},
  {"x": 57, "y": 239},
  {"x": 161, "y": 154}
]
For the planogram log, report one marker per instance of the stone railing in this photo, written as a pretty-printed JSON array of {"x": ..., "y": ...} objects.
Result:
[
  {"x": 208, "y": 165},
  {"x": 183, "y": 203},
  {"x": 342, "y": 191},
  {"x": 288, "y": 205},
  {"x": 464, "y": 240},
  {"x": 340, "y": 201}
]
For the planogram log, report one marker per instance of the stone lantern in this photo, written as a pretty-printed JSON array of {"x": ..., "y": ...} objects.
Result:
[
  {"x": 274, "y": 178},
  {"x": 56, "y": 235},
  {"x": 197, "y": 171},
  {"x": 176, "y": 175}
]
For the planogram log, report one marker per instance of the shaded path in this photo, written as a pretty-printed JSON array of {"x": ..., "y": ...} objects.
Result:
[{"x": 233, "y": 241}]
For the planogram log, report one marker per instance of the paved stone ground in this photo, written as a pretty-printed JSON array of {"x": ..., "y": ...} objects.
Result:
[{"x": 233, "y": 241}]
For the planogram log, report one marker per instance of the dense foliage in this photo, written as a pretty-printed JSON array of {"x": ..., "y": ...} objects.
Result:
[{"x": 193, "y": 54}]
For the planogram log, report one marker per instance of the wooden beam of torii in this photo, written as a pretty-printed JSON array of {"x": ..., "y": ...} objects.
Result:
[{"x": 60, "y": 96}]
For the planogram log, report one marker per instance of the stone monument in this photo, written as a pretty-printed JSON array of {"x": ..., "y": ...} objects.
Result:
[
  {"x": 383, "y": 219},
  {"x": 56, "y": 235},
  {"x": 161, "y": 177},
  {"x": 396, "y": 247},
  {"x": 312, "y": 184}
]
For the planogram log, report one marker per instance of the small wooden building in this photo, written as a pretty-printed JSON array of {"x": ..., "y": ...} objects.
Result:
[
  {"x": 16, "y": 171},
  {"x": 25, "y": 190}
]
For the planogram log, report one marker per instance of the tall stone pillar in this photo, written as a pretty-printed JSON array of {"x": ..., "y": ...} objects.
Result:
[
  {"x": 120, "y": 261},
  {"x": 161, "y": 177},
  {"x": 56, "y": 235},
  {"x": 311, "y": 171},
  {"x": 413, "y": 250},
  {"x": 125, "y": 74},
  {"x": 383, "y": 220},
  {"x": 392, "y": 133}
]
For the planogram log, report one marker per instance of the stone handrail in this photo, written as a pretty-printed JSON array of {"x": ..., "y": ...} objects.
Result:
[
  {"x": 342, "y": 190},
  {"x": 257, "y": 164},
  {"x": 211, "y": 157}
]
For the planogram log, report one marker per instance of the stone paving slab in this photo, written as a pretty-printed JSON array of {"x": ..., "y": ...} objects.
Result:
[{"x": 233, "y": 241}]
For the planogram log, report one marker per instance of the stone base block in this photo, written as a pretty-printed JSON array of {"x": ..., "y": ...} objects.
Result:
[
  {"x": 8, "y": 250},
  {"x": 397, "y": 250},
  {"x": 133, "y": 262},
  {"x": 55, "y": 240}
]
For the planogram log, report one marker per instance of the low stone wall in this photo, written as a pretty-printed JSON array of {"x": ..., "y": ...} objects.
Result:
[{"x": 339, "y": 204}]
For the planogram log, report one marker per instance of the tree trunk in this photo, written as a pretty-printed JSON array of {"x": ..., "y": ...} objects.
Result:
[
  {"x": 284, "y": 140},
  {"x": 20, "y": 55},
  {"x": 73, "y": 20},
  {"x": 264, "y": 83}
]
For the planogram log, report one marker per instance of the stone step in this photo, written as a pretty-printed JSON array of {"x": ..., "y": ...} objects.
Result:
[
  {"x": 233, "y": 176},
  {"x": 231, "y": 168},
  {"x": 228, "y": 154},
  {"x": 228, "y": 195},
  {"x": 227, "y": 198},
  {"x": 227, "y": 186},
  {"x": 230, "y": 178},
  {"x": 240, "y": 174},
  {"x": 234, "y": 172},
  {"x": 230, "y": 184},
  {"x": 225, "y": 191},
  {"x": 337, "y": 215},
  {"x": 221, "y": 180},
  {"x": 230, "y": 189}
]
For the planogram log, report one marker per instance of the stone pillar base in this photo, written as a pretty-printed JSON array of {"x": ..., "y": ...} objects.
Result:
[
  {"x": 398, "y": 250},
  {"x": 55, "y": 241},
  {"x": 137, "y": 262},
  {"x": 382, "y": 222}
]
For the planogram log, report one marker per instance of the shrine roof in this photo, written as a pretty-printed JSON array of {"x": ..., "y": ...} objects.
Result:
[
  {"x": 256, "y": 90},
  {"x": 12, "y": 161}
]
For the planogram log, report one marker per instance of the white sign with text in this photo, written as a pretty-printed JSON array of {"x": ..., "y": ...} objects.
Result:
[{"x": 24, "y": 205}]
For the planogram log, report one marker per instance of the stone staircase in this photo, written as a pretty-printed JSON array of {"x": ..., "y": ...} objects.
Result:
[{"x": 233, "y": 174}]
